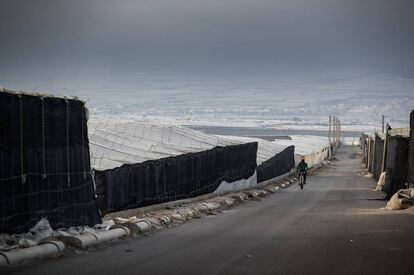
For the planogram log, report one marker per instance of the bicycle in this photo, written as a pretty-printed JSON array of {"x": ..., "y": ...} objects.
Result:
[{"x": 301, "y": 179}]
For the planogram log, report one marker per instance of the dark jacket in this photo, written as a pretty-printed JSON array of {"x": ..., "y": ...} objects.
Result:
[{"x": 302, "y": 166}]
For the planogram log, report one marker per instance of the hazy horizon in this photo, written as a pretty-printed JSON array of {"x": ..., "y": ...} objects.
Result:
[{"x": 232, "y": 59}]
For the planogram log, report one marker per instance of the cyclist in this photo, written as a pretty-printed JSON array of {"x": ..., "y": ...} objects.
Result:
[{"x": 302, "y": 168}]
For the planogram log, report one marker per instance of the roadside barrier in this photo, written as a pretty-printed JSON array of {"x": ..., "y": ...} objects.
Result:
[
  {"x": 45, "y": 166},
  {"x": 174, "y": 178}
]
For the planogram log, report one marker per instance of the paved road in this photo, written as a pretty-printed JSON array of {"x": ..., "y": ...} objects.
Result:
[{"x": 333, "y": 226}]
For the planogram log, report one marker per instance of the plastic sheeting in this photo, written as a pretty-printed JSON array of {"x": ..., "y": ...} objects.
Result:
[
  {"x": 238, "y": 185},
  {"x": 117, "y": 142},
  {"x": 314, "y": 149},
  {"x": 114, "y": 143},
  {"x": 173, "y": 178},
  {"x": 45, "y": 165}
]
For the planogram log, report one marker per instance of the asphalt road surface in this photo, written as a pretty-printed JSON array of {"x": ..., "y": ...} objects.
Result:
[{"x": 333, "y": 226}]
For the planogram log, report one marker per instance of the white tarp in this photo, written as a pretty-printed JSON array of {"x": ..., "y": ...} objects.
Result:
[
  {"x": 242, "y": 184},
  {"x": 114, "y": 143}
]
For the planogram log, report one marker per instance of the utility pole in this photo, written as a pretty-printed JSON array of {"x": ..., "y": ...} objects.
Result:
[
  {"x": 340, "y": 131},
  {"x": 383, "y": 119},
  {"x": 329, "y": 136},
  {"x": 336, "y": 131}
]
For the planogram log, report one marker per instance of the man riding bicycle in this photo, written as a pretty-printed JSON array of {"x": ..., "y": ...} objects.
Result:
[{"x": 302, "y": 168}]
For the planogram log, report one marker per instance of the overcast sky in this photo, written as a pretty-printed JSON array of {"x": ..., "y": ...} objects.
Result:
[
  {"x": 149, "y": 56},
  {"x": 57, "y": 37}
]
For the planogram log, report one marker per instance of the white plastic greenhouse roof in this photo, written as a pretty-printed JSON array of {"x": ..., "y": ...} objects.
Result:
[
  {"x": 114, "y": 143},
  {"x": 266, "y": 149},
  {"x": 305, "y": 145}
]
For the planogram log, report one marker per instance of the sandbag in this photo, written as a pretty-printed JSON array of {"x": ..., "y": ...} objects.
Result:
[
  {"x": 381, "y": 182},
  {"x": 403, "y": 199}
]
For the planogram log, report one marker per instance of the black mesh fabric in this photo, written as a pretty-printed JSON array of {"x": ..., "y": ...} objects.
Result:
[
  {"x": 396, "y": 164},
  {"x": 378, "y": 156},
  {"x": 371, "y": 156},
  {"x": 278, "y": 165},
  {"x": 44, "y": 163},
  {"x": 173, "y": 178}
]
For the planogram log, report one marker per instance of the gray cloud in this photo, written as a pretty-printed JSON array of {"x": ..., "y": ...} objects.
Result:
[
  {"x": 260, "y": 59},
  {"x": 58, "y": 39}
]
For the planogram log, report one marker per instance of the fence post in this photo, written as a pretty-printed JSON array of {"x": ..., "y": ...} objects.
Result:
[
  {"x": 368, "y": 154},
  {"x": 373, "y": 153},
  {"x": 410, "y": 172},
  {"x": 340, "y": 131},
  {"x": 329, "y": 136},
  {"x": 384, "y": 153},
  {"x": 337, "y": 132},
  {"x": 334, "y": 132}
]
